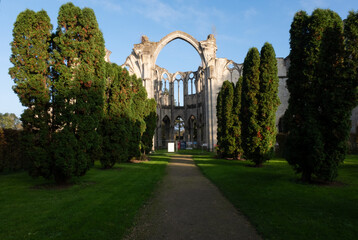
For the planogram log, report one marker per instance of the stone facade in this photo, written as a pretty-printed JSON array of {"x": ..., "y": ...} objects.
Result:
[{"x": 200, "y": 88}]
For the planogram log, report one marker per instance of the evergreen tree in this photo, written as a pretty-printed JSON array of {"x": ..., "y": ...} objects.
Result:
[
  {"x": 79, "y": 84},
  {"x": 127, "y": 127},
  {"x": 351, "y": 52},
  {"x": 33, "y": 84},
  {"x": 268, "y": 102},
  {"x": 321, "y": 97},
  {"x": 116, "y": 125},
  {"x": 236, "y": 129},
  {"x": 249, "y": 105},
  {"x": 219, "y": 134},
  {"x": 59, "y": 78},
  {"x": 151, "y": 124},
  {"x": 228, "y": 140},
  {"x": 335, "y": 102}
]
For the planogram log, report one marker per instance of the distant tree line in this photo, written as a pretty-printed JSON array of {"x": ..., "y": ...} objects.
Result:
[
  {"x": 246, "y": 112},
  {"x": 78, "y": 108},
  {"x": 10, "y": 121},
  {"x": 11, "y": 157}
]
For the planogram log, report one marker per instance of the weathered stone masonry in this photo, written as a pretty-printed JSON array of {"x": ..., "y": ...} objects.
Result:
[{"x": 200, "y": 88}]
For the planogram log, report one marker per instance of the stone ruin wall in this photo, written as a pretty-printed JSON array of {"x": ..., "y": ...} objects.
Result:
[{"x": 209, "y": 78}]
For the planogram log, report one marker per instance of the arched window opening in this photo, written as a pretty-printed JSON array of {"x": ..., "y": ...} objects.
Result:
[
  {"x": 231, "y": 66},
  {"x": 179, "y": 129},
  {"x": 165, "y": 84},
  {"x": 191, "y": 84},
  {"x": 178, "y": 55},
  {"x": 178, "y": 91},
  {"x": 165, "y": 127}
]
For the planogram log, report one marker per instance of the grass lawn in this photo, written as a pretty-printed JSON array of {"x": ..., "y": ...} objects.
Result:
[
  {"x": 282, "y": 208},
  {"x": 101, "y": 205}
]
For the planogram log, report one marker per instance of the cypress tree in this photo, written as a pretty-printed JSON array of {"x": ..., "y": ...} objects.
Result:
[
  {"x": 321, "y": 96},
  {"x": 351, "y": 53},
  {"x": 79, "y": 84},
  {"x": 268, "y": 102},
  {"x": 33, "y": 85},
  {"x": 116, "y": 125},
  {"x": 249, "y": 107},
  {"x": 304, "y": 142},
  {"x": 59, "y": 78},
  {"x": 335, "y": 103},
  {"x": 219, "y": 134},
  {"x": 151, "y": 124},
  {"x": 129, "y": 117},
  {"x": 236, "y": 111},
  {"x": 228, "y": 140}
]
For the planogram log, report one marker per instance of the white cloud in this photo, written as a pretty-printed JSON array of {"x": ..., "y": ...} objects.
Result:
[
  {"x": 176, "y": 13},
  {"x": 110, "y": 5},
  {"x": 158, "y": 11}
]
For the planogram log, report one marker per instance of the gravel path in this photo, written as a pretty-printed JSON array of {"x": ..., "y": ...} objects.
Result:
[{"x": 189, "y": 206}]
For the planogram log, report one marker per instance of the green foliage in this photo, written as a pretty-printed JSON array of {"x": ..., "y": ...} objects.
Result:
[
  {"x": 351, "y": 53},
  {"x": 33, "y": 83},
  {"x": 151, "y": 124},
  {"x": 224, "y": 106},
  {"x": 10, "y": 120},
  {"x": 11, "y": 151},
  {"x": 322, "y": 95},
  {"x": 249, "y": 103},
  {"x": 268, "y": 102},
  {"x": 126, "y": 114},
  {"x": 228, "y": 140},
  {"x": 219, "y": 131},
  {"x": 60, "y": 79},
  {"x": 236, "y": 112}
]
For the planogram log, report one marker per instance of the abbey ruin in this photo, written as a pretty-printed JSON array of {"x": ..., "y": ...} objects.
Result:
[{"x": 191, "y": 96}]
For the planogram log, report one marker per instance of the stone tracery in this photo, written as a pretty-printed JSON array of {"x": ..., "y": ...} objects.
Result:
[{"x": 197, "y": 103}]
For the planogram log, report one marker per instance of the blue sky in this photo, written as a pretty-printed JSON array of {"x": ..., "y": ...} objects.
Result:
[{"x": 237, "y": 25}]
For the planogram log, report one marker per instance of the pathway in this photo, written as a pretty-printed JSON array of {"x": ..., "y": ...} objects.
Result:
[{"x": 189, "y": 206}]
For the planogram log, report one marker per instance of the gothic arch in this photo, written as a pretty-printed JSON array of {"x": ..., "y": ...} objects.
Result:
[{"x": 179, "y": 35}]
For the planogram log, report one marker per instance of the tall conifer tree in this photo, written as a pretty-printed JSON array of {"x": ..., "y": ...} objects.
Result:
[
  {"x": 351, "y": 52},
  {"x": 321, "y": 97},
  {"x": 151, "y": 124},
  {"x": 129, "y": 117},
  {"x": 79, "y": 71},
  {"x": 268, "y": 102},
  {"x": 59, "y": 79},
  {"x": 249, "y": 108},
  {"x": 116, "y": 125},
  {"x": 33, "y": 85},
  {"x": 236, "y": 111},
  {"x": 227, "y": 138},
  {"x": 219, "y": 103}
]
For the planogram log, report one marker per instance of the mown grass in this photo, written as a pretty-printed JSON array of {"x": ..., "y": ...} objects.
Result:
[
  {"x": 100, "y": 205},
  {"x": 279, "y": 206}
]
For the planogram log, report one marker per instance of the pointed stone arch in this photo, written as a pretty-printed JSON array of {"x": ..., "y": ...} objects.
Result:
[{"x": 183, "y": 36}]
